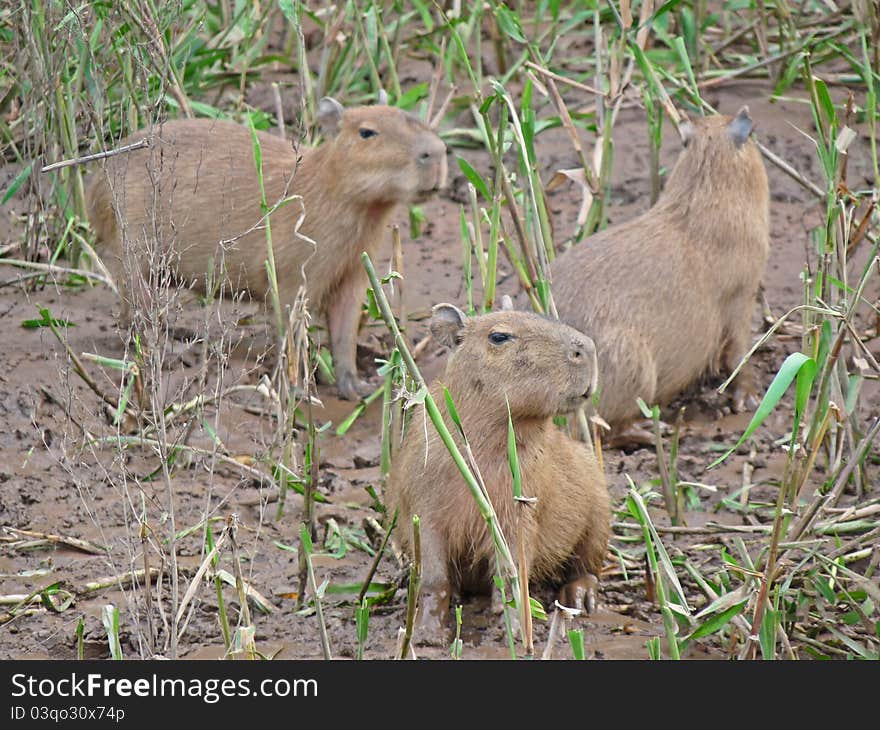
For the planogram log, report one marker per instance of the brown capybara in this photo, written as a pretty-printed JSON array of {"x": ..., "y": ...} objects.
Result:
[
  {"x": 542, "y": 368},
  {"x": 194, "y": 197},
  {"x": 669, "y": 296}
]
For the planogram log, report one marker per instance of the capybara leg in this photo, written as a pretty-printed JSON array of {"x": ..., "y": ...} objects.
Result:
[
  {"x": 581, "y": 592},
  {"x": 581, "y": 589},
  {"x": 112, "y": 260},
  {"x": 343, "y": 319},
  {"x": 433, "y": 613},
  {"x": 744, "y": 395},
  {"x": 431, "y": 626}
]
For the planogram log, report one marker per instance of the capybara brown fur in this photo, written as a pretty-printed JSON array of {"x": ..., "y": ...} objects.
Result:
[
  {"x": 194, "y": 197},
  {"x": 541, "y": 368},
  {"x": 668, "y": 297}
]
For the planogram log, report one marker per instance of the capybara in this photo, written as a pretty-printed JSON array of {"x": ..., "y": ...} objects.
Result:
[
  {"x": 668, "y": 296},
  {"x": 541, "y": 368},
  {"x": 195, "y": 196}
]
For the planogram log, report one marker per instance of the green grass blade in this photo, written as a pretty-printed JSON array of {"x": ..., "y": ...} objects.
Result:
[
  {"x": 789, "y": 370},
  {"x": 471, "y": 174},
  {"x": 512, "y": 458},
  {"x": 17, "y": 183}
]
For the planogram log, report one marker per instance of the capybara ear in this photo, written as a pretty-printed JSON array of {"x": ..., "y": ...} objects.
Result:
[
  {"x": 686, "y": 131},
  {"x": 382, "y": 98},
  {"x": 506, "y": 303},
  {"x": 740, "y": 127},
  {"x": 330, "y": 114},
  {"x": 447, "y": 322}
]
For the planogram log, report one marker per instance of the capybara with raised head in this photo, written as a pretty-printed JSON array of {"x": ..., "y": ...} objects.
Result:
[
  {"x": 669, "y": 296},
  {"x": 541, "y": 368},
  {"x": 195, "y": 196}
]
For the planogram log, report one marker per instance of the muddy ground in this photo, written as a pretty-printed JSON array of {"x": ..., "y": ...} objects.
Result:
[{"x": 51, "y": 482}]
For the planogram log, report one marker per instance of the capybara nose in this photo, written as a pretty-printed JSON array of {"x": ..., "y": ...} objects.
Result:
[
  {"x": 434, "y": 150},
  {"x": 581, "y": 351},
  {"x": 433, "y": 159}
]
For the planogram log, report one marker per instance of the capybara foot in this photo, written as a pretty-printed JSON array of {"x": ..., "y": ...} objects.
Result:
[
  {"x": 432, "y": 621},
  {"x": 743, "y": 399},
  {"x": 431, "y": 633},
  {"x": 582, "y": 592},
  {"x": 632, "y": 436},
  {"x": 496, "y": 605},
  {"x": 350, "y": 387}
]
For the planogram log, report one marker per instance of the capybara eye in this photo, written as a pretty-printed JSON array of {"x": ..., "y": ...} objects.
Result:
[
  {"x": 497, "y": 338},
  {"x": 367, "y": 133}
]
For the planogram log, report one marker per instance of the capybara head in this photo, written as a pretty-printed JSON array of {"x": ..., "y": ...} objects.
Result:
[
  {"x": 718, "y": 152},
  {"x": 383, "y": 154},
  {"x": 541, "y": 366}
]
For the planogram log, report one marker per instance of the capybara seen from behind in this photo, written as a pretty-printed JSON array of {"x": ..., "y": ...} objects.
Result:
[
  {"x": 542, "y": 368},
  {"x": 194, "y": 195},
  {"x": 669, "y": 296}
]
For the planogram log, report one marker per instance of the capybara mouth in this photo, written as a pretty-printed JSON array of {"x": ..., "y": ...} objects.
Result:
[
  {"x": 576, "y": 401},
  {"x": 422, "y": 195}
]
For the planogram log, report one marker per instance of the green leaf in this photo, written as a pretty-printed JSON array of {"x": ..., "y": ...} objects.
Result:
[
  {"x": 686, "y": 62},
  {"x": 462, "y": 53},
  {"x": 512, "y": 457},
  {"x": 689, "y": 30},
  {"x": 646, "y": 411},
  {"x": 576, "y": 639},
  {"x": 717, "y": 622},
  {"x": 110, "y": 619},
  {"x": 821, "y": 585},
  {"x": 289, "y": 10},
  {"x": 206, "y": 110},
  {"x": 471, "y": 174},
  {"x": 373, "y": 306},
  {"x": 665, "y": 8},
  {"x": 417, "y": 219},
  {"x": 647, "y": 70},
  {"x": 537, "y": 610},
  {"x": 362, "y": 621},
  {"x": 767, "y": 633},
  {"x": 453, "y": 412},
  {"x": 791, "y": 368},
  {"x": 826, "y": 105},
  {"x": 324, "y": 361},
  {"x": 305, "y": 539},
  {"x": 854, "y": 645},
  {"x": 542, "y": 286},
  {"x": 46, "y": 320},
  {"x": 123, "y": 402},
  {"x": 639, "y": 511},
  {"x": 509, "y": 23},
  {"x": 419, "y": 396},
  {"x": 258, "y": 163},
  {"x": 409, "y": 99},
  {"x": 295, "y": 484},
  {"x": 17, "y": 183}
]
